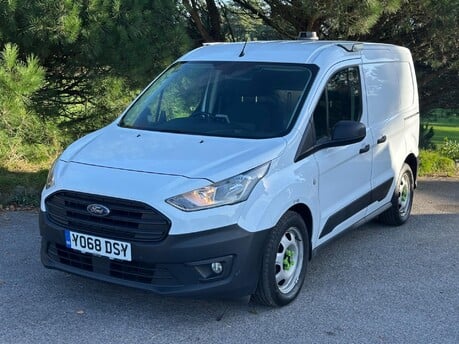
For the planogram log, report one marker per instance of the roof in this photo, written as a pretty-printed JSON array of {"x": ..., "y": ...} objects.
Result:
[{"x": 299, "y": 51}]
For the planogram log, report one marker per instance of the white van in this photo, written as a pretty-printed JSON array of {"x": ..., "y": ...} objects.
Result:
[{"x": 234, "y": 165}]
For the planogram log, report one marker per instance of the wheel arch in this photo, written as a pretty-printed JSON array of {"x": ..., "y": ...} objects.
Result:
[
  {"x": 412, "y": 161},
  {"x": 305, "y": 213}
]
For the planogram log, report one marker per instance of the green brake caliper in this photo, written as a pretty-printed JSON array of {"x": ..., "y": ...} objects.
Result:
[{"x": 288, "y": 260}]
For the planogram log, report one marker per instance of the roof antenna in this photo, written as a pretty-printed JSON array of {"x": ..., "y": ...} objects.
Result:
[{"x": 243, "y": 48}]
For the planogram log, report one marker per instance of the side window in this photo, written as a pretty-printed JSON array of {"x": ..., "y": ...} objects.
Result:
[{"x": 340, "y": 100}]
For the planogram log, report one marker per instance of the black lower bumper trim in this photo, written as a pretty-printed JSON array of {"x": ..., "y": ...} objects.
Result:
[{"x": 178, "y": 265}]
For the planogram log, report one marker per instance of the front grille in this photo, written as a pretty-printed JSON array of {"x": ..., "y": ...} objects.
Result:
[
  {"x": 128, "y": 220},
  {"x": 62, "y": 254},
  {"x": 155, "y": 274},
  {"x": 143, "y": 273}
]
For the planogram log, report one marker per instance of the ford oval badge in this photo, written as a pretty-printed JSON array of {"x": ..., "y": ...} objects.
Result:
[{"x": 98, "y": 210}]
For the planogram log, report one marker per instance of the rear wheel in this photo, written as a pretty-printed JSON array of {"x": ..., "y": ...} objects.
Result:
[
  {"x": 402, "y": 199},
  {"x": 284, "y": 262}
]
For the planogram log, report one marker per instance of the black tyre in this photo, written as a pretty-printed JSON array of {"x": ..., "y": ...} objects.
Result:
[
  {"x": 284, "y": 262},
  {"x": 402, "y": 199}
]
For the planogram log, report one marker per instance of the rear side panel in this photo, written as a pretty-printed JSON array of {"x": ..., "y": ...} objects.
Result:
[{"x": 393, "y": 116}]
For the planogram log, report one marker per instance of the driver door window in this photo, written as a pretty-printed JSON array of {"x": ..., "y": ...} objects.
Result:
[{"x": 341, "y": 100}]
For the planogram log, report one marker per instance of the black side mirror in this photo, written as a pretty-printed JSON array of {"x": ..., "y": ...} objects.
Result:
[
  {"x": 347, "y": 132},
  {"x": 343, "y": 133}
]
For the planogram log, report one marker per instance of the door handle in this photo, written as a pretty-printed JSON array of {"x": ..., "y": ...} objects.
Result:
[
  {"x": 381, "y": 139},
  {"x": 364, "y": 149}
]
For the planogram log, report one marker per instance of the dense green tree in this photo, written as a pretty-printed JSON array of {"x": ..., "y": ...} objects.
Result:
[
  {"x": 429, "y": 28},
  {"x": 205, "y": 19},
  {"x": 95, "y": 52},
  {"x": 330, "y": 18},
  {"x": 23, "y": 136},
  {"x": 212, "y": 21},
  {"x": 240, "y": 25}
]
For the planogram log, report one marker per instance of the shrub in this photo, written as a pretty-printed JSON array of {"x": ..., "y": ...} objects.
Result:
[
  {"x": 426, "y": 133},
  {"x": 434, "y": 164},
  {"x": 450, "y": 149}
]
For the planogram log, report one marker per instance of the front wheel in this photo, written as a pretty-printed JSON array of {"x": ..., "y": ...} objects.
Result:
[
  {"x": 284, "y": 262},
  {"x": 402, "y": 199}
]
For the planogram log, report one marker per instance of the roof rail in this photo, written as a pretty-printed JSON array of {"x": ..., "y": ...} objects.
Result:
[{"x": 351, "y": 47}]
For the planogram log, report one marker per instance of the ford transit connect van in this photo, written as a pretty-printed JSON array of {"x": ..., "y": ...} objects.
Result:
[{"x": 234, "y": 165}]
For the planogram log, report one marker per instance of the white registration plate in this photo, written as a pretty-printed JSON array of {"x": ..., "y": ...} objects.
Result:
[{"x": 99, "y": 246}]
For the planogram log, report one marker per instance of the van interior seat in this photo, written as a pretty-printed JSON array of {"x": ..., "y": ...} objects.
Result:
[{"x": 254, "y": 111}]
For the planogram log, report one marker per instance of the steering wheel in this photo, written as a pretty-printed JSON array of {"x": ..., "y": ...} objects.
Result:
[{"x": 202, "y": 115}]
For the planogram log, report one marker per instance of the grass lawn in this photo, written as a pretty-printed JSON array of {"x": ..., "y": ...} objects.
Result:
[{"x": 444, "y": 127}]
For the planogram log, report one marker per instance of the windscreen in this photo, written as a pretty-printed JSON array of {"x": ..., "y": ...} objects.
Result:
[{"x": 232, "y": 99}]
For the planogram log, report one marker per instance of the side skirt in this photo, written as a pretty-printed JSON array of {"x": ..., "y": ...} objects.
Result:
[
  {"x": 366, "y": 219},
  {"x": 375, "y": 195}
]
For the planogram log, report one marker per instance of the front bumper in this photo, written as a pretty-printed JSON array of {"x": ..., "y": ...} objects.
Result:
[{"x": 177, "y": 265}]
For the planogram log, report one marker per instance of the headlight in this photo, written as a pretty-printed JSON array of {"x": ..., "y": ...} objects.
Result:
[
  {"x": 229, "y": 191},
  {"x": 50, "y": 179}
]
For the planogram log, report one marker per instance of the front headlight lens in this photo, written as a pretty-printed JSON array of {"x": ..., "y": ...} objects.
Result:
[
  {"x": 50, "y": 179},
  {"x": 229, "y": 191}
]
